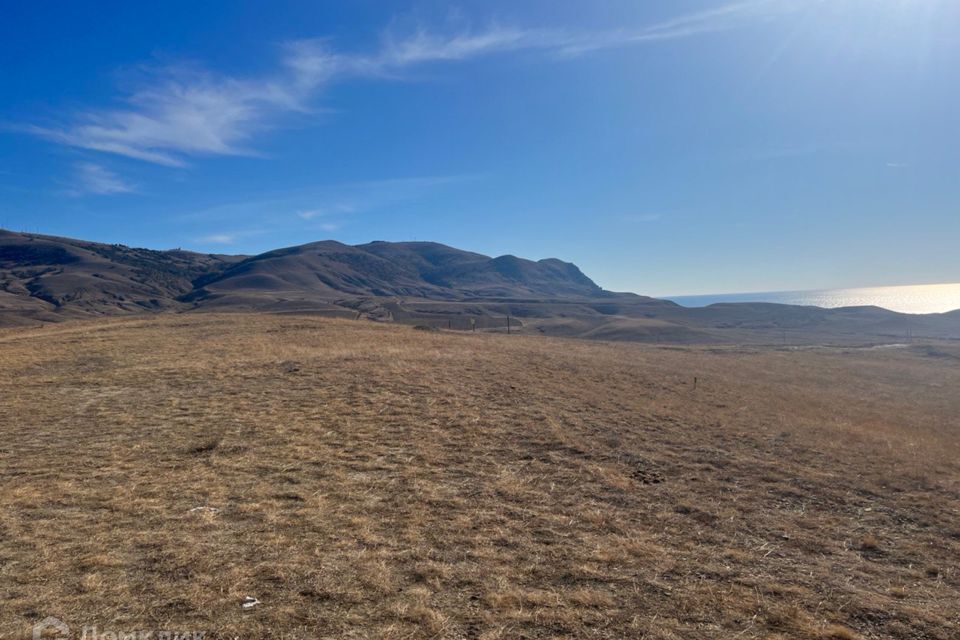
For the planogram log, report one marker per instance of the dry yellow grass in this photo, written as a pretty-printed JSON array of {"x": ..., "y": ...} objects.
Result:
[{"x": 370, "y": 481}]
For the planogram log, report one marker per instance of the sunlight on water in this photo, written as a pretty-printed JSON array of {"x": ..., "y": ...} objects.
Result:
[{"x": 931, "y": 298}]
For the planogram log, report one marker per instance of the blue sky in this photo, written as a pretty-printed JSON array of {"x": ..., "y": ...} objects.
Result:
[{"x": 666, "y": 147}]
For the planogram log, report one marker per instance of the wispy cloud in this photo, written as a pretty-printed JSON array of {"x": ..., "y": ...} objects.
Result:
[
  {"x": 424, "y": 46},
  {"x": 92, "y": 178},
  {"x": 228, "y": 237},
  {"x": 218, "y": 238},
  {"x": 333, "y": 209},
  {"x": 326, "y": 208},
  {"x": 328, "y": 200},
  {"x": 335, "y": 202},
  {"x": 724, "y": 18},
  {"x": 182, "y": 112}
]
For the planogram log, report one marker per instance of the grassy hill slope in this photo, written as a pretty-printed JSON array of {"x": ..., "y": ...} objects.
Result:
[{"x": 367, "y": 480}]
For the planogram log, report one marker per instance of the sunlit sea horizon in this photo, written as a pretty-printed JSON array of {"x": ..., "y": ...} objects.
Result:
[{"x": 928, "y": 298}]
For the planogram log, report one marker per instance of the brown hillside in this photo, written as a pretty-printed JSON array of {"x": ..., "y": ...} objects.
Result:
[{"x": 423, "y": 283}]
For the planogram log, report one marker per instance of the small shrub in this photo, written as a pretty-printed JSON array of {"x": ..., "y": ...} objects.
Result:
[{"x": 870, "y": 542}]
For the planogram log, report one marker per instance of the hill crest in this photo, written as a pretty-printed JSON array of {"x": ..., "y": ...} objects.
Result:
[{"x": 43, "y": 275}]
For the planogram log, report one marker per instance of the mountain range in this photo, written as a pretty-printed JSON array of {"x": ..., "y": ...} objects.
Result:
[{"x": 48, "y": 279}]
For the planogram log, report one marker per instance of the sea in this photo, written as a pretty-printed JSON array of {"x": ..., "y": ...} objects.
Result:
[{"x": 927, "y": 298}]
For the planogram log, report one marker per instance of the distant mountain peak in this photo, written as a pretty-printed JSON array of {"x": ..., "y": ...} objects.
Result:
[{"x": 66, "y": 276}]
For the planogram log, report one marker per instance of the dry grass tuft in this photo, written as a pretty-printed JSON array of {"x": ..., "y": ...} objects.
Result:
[
  {"x": 839, "y": 632},
  {"x": 870, "y": 542}
]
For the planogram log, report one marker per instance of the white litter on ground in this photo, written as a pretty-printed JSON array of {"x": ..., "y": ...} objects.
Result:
[{"x": 213, "y": 510}]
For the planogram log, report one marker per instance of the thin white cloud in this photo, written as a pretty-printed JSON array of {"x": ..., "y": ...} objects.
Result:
[
  {"x": 218, "y": 238},
  {"x": 332, "y": 209},
  {"x": 92, "y": 178},
  {"x": 182, "y": 112},
  {"x": 229, "y": 237},
  {"x": 727, "y": 16},
  {"x": 723, "y": 18},
  {"x": 424, "y": 46},
  {"x": 338, "y": 201},
  {"x": 332, "y": 203}
]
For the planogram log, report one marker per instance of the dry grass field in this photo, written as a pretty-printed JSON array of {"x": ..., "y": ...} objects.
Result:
[{"x": 373, "y": 481}]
